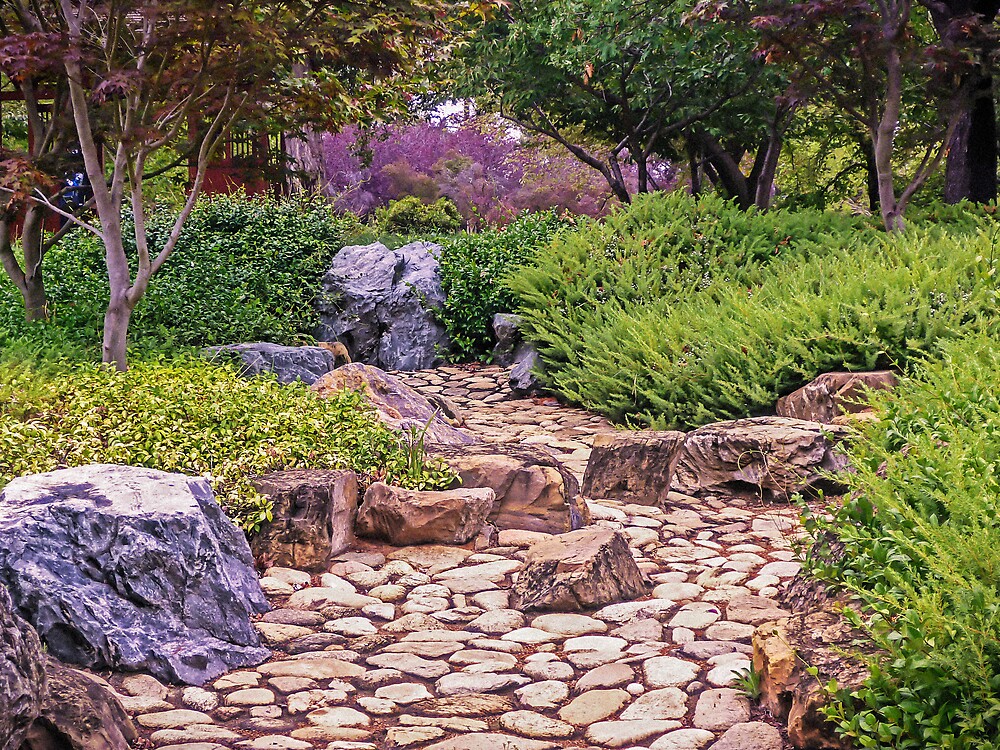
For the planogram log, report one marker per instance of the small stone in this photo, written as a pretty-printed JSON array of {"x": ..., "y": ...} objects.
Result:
[
  {"x": 274, "y": 742},
  {"x": 144, "y": 685},
  {"x": 569, "y": 625},
  {"x": 340, "y": 716},
  {"x": 459, "y": 683},
  {"x": 498, "y": 621},
  {"x": 378, "y": 706},
  {"x": 724, "y": 630},
  {"x": 411, "y": 664},
  {"x": 543, "y": 695},
  {"x": 404, "y": 693},
  {"x": 624, "y": 733},
  {"x": 594, "y": 643},
  {"x": 407, "y": 736},
  {"x": 666, "y": 703},
  {"x": 176, "y": 719},
  {"x": 593, "y": 706},
  {"x": 720, "y": 709},
  {"x": 683, "y": 739},
  {"x": 250, "y": 697},
  {"x": 755, "y": 734},
  {"x": 531, "y": 724},
  {"x": 697, "y": 615},
  {"x": 606, "y": 676},
  {"x": 200, "y": 699},
  {"x": 351, "y": 627},
  {"x": 309, "y": 700},
  {"x": 549, "y": 670},
  {"x": 668, "y": 671}
]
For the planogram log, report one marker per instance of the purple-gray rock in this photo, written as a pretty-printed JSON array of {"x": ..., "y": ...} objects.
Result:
[
  {"x": 287, "y": 363},
  {"x": 127, "y": 568},
  {"x": 523, "y": 378},
  {"x": 22, "y": 677},
  {"x": 506, "y": 331},
  {"x": 381, "y": 304}
]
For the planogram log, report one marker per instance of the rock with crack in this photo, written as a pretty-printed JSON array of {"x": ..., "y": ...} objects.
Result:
[
  {"x": 834, "y": 394},
  {"x": 633, "y": 467},
  {"x": 784, "y": 650},
  {"x": 381, "y": 304},
  {"x": 396, "y": 404},
  {"x": 22, "y": 675},
  {"x": 507, "y": 333},
  {"x": 80, "y": 712},
  {"x": 119, "y": 567},
  {"x": 586, "y": 568},
  {"x": 534, "y": 491},
  {"x": 403, "y": 517},
  {"x": 766, "y": 458},
  {"x": 286, "y": 363},
  {"x": 313, "y": 517}
]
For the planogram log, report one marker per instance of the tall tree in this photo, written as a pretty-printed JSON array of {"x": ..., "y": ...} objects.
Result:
[
  {"x": 637, "y": 75},
  {"x": 145, "y": 75},
  {"x": 875, "y": 61}
]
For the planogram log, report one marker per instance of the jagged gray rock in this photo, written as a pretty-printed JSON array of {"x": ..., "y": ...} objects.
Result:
[
  {"x": 126, "y": 568},
  {"x": 288, "y": 363},
  {"x": 22, "y": 677},
  {"x": 523, "y": 378},
  {"x": 506, "y": 330},
  {"x": 380, "y": 303}
]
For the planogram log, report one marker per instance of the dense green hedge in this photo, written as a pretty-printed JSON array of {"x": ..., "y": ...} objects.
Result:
[
  {"x": 921, "y": 535},
  {"x": 474, "y": 271},
  {"x": 245, "y": 269},
  {"x": 195, "y": 418},
  {"x": 677, "y": 312}
]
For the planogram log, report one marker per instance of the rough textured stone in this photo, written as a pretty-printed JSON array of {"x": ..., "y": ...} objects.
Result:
[
  {"x": 506, "y": 331},
  {"x": 523, "y": 378},
  {"x": 134, "y": 569},
  {"x": 380, "y": 303},
  {"x": 80, "y": 712},
  {"x": 22, "y": 676},
  {"x": 313, "y": 513},
  {"x": 586, "y": 568},
  {"x": 404, "y": 517},
  {"x": 398, "y": 405},
  {"x": 769, "y": 458},
  {"x": 534, "y": 491},
  {"x": 751, "y": 734},
  {"x": 833, "y": 394},
  {"x": 633, "y": 467},
  {"x": 286, "y": 363},
  {"x": 784, "y": 650}
]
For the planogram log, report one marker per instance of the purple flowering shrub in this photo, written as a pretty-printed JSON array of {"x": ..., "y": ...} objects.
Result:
[{"x": 485, "y": 169}]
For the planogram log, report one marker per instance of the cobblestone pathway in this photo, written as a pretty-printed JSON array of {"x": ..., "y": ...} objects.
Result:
[{"x": 416, "y": 647}]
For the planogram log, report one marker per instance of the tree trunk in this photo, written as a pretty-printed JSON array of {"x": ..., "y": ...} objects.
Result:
[
  {"x": 971, "y": 171},
  {"x": 871, "y": 174},
  {"x": 116, "y": 320},
  {"x": 883, "y": 136},
  {"x": 306, "y": 160},
  {"x": 29, "y": 280}
]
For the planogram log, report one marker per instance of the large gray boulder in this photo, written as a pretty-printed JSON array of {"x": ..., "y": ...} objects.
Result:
[
  {"x": 380, "y": 303},
  {"x": 287, "y": 363},
  {"x": 126, "y": 568},
  {"x": 22, "y": 676}
]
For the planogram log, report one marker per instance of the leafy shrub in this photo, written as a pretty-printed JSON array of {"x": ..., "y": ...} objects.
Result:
[
  {"x": 921, "y": 536},
  {"x": 410, "y": 214},
  {"x": 474, "y": 269},
  {"x": 245, "y": 269},
  {"x": 679, "y": 312},
  {"x": 196, "y": 418}
]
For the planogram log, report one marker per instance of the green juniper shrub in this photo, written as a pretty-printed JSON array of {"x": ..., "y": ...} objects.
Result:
[
  {"x": 678, "y": 312},
  {"x": 474, "y": 270},
  {"x": 921, "y": 534},
  {"x": 189, "y": 416},
  {"x": 245, "y": 269},
  {"x": 411, "y": 215}
]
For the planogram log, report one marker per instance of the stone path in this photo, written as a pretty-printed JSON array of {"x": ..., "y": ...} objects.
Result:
[{"x": 416, "y": 647}]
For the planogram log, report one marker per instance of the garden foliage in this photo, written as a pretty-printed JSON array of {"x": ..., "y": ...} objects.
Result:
[
  {"x": 474, "y": 271},
  {"x": 678, "y": 312},
  {"x": 921, "y": 556},
  {"x": 196, "y": 418},
  {"x": 245, "y": 269}
]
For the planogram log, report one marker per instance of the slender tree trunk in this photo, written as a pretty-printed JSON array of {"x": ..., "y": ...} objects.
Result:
[
  {"x": 116, "y": 320},
  {"x": 29, "y": 280},
  {"x": 306, "y": 161},
  {"x": 871, "y": 174},
  {"x": 694, "y": 163},
  {"x": 883, "y": 136},
  {"x": 971, "y": 171}
]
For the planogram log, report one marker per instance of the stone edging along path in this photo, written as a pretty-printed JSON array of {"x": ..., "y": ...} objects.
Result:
[{"x": 417, "y": 647}]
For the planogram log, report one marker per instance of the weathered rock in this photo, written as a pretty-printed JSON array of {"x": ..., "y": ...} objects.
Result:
[
  {"x": 313, "y": 514},
  {"x": 634, "y": 467},
  {"x": 784, "y": 650},
  {"x": 404, "y": 517},
  {"x": 833, "y": 394},
  {"x": 80, "y": 712},
  {"x": 127, "y": 568},
  {"x": 380, "y": 303},
  {"x": 398, "y": 405},
  {"x": 286, "y": 363},
  {"x": 524, "y": 372},
  {"x": 506, "y": 331},
  {"x": 585, "y": 568},
  {"x": 22, "y": 677},
  {"x": 769, "y": 458},
  {"x": 534, "y": 491}
]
